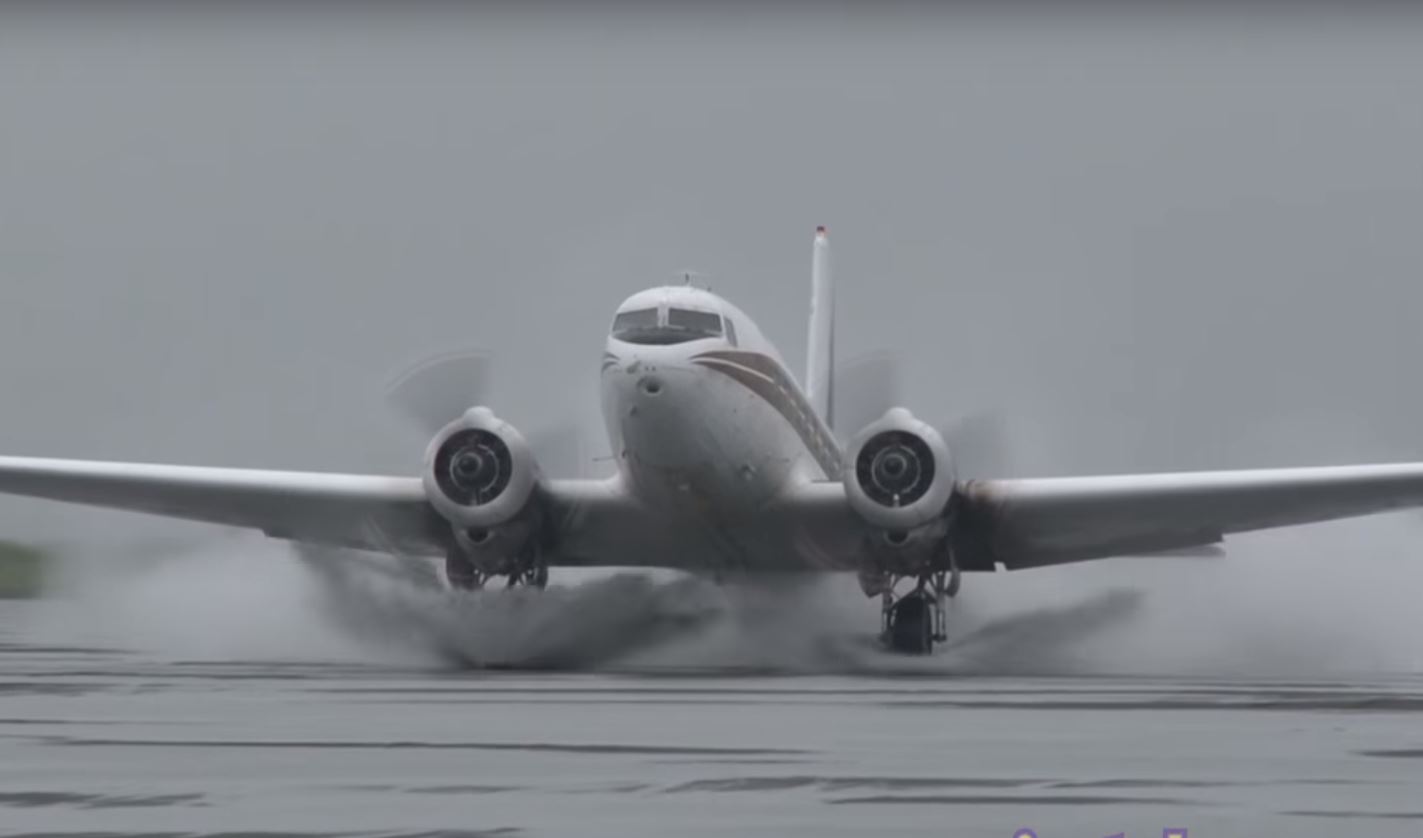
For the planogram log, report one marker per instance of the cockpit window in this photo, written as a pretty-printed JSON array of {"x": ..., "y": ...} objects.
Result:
[
  {"x": 697, "y": 324},
  {"x": 681, "y": 325},
  {"x": 644, "y": 319}
]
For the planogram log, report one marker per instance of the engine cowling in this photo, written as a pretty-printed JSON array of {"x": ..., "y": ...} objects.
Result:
[
  {"x": 898, "y": 473},
  {"x": 479, "y": 471}
]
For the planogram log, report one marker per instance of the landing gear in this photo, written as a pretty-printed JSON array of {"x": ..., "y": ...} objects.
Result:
[
  {"x": 909, "y": 624},
  {"x": 531, "y": 576},
  {"x": 461, "y": 572},
  {"x": 464, "y": 574},
  {"x": 912, "y": 623}
]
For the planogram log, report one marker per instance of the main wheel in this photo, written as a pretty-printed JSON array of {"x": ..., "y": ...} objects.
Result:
[
  {"x": 461, "y": 573},
  {"x": 533, "y": 577},
  {"x": 911, "y": 625}
]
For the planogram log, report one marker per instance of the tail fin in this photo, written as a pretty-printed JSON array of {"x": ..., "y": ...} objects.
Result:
[{"x": 820, "y": 354}]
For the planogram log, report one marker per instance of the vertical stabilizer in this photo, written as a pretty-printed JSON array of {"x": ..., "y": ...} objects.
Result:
[{"x": 820, "y": 353}]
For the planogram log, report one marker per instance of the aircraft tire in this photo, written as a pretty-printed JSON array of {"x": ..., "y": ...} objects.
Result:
[
  {"x": 911, "y": 626},
  {"x": 460, "y": 572}
]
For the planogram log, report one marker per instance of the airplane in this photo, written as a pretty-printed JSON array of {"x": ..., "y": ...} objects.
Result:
[{"x": 727, "y": 463}]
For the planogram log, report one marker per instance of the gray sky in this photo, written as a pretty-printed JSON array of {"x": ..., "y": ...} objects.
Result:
[{"x": 1150, "y": 242}]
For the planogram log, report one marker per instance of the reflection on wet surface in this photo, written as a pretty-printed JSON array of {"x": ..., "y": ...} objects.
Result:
[
  {"x": 1012, "y": 800},
  {"x": 267, "y": 745},
  {"x": 119, "y": 742},
  {"x": 1397, "y": 816},
  {"x": 844, "y": 783},
  {"x": 93, "y": 801},
  {"x": 442, "y": 833}
]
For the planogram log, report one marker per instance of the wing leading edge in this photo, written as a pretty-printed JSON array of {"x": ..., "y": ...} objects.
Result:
[{"x": 1013, "y": 523}]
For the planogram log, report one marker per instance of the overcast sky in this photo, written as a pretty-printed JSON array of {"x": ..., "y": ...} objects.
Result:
[{"x": 1149, "y": 242}]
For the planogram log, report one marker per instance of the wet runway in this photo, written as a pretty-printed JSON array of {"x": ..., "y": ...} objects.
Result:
[
  {"x": 291, "y": 733},
  {"x": 98, "y": 741}
]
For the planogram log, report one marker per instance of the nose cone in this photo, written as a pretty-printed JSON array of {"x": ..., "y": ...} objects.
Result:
[{"x": 640, "y": 374}]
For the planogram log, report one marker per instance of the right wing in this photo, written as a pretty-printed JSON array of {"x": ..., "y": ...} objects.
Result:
[{"x": 346, "y": 510}]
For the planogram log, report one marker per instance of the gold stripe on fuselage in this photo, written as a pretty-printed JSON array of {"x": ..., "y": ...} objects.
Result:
[{"x": 764, "y": 376}]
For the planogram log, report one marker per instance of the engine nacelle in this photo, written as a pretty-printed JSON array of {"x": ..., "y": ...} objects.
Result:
[
  {"x": 898, "y": 474},
  {"x": 479, "y": 471}
]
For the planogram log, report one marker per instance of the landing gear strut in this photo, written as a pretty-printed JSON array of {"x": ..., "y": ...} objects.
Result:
[
  {"x": 464, "y": 574},
  {"x": 461, "y": 572},
  {"x": 533, "y": 575},
  {"x": 912, "y": 623}
]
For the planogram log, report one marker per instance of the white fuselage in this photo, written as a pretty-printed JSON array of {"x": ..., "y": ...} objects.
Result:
[{"x": 705, "y": 423}]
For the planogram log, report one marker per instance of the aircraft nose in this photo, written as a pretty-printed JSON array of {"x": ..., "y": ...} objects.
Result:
[
  {"x": 654, "y": 416},
  {"x": 644, "y": 380}
]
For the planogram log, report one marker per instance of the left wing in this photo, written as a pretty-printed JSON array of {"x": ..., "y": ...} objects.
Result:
[
  {"x": 1030, "y": 523},
  {"x": 1033, "y": 523}
]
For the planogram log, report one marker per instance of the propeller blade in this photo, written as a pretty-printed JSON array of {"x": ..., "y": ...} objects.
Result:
[
  {"x": 864, "y": 387},
  {"x": 558, "y": 450},
  {"x": 867, "y": 385},
  {"x": 979, "y": 445},
  {"x": 438, "y": 390}
]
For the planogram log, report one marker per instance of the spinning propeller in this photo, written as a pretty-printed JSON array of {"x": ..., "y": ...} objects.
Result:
[
  {"x": 868, "y": 385},
  {"x": 438, "y": 390}
]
